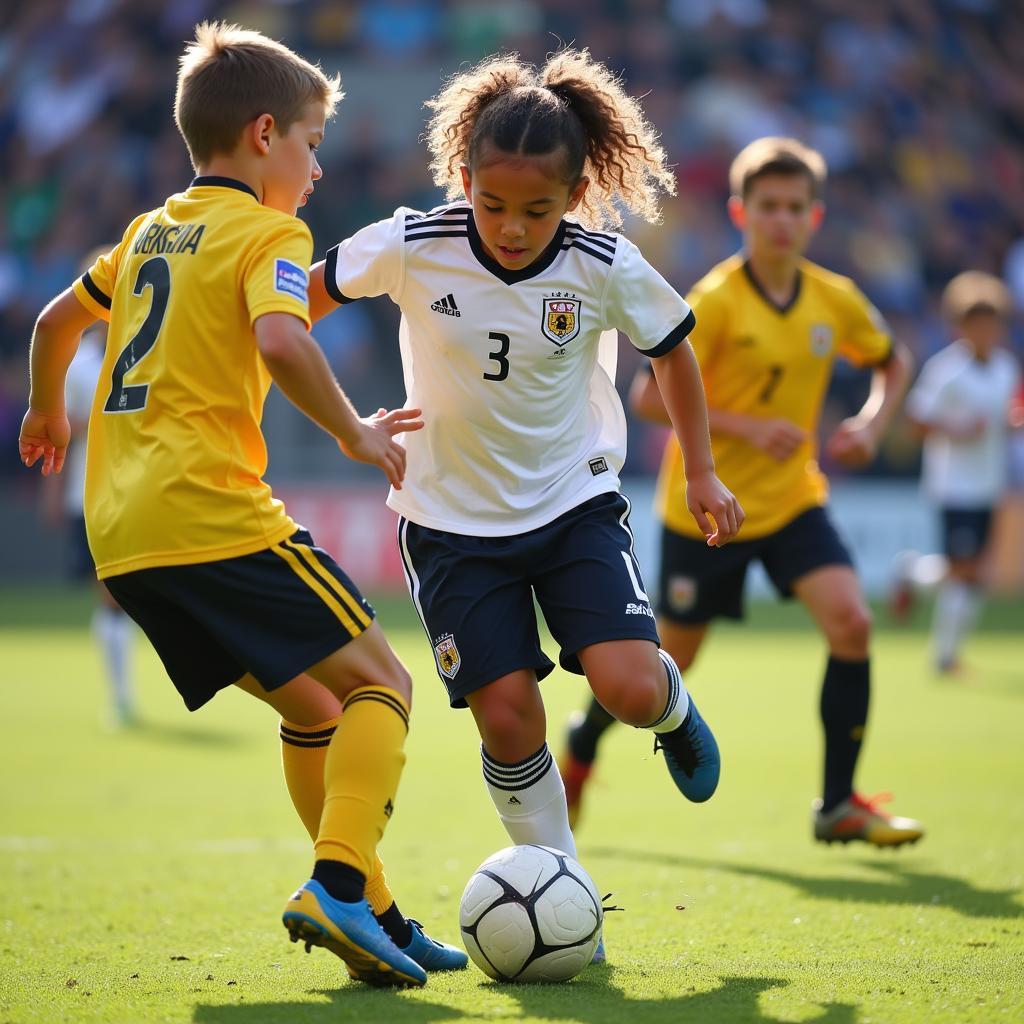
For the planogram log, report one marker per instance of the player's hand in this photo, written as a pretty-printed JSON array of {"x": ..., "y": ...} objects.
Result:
[
  {"x": 854, "y": 443},
  {"x": 45, "y": 437},
  {"x": 707, "y": 496},
  {"x": 374, "y": 442},
  {"x": 778, "y": 437}
]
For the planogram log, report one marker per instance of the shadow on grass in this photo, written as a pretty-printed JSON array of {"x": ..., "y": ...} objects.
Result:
[
  {"x": 182, "y": 734},
  {"x": 590, "y": 999},
  {"x": 897, "y": 883}
]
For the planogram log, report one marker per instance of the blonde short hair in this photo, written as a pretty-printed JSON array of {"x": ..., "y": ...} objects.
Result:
[
  {"x": 974, "y": 291},
  {"x": 775, "y": 154},
  {"x": 229, "y": 76}
]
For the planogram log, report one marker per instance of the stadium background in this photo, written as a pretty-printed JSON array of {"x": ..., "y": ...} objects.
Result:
[{"x": 918, "y": 107}]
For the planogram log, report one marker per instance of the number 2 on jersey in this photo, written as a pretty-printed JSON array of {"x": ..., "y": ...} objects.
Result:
[{"x": 156, "y": 275}]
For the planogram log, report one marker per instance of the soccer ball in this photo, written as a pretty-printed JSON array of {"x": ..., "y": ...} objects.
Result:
[{"x": 530, "y": 913}]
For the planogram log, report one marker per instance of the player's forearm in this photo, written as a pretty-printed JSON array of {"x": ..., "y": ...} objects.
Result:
[
  {"x": 888, "y": 386},
  {"x": 682, "y": 392},
  {"x": 732, "y": 424},
  {"x": 645, "y": 399},
  {"x": 320, "y": 302},
  {"x": 55, "y": 339},
  {"x": 301, "y": 371}
]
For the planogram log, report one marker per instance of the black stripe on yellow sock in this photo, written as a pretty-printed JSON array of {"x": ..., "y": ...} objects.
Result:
[
  {"x": 303, "y": 734},
  {"x": 380, "y": 698},
  {"x": 305, "y": 743}
]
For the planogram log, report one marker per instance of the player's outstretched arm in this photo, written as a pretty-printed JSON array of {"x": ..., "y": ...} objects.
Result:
[
  {"x": 301, "y": 371},
  {"x": 45, "y": 431},
  {"x": 680, "y": 385},
  {"x": 776, "y": 436},
  {"x": 856, "y": 440}
]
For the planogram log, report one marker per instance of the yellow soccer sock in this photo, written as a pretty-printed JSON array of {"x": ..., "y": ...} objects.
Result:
[
  {"x": 363, "y": 765},
  {"x": 303, "y": 753}
]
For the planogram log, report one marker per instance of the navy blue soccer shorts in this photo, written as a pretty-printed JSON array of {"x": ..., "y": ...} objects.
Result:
[
  {"x": 475, "y": 595},
  {"x": 697, "y": 583},
  {"x": 965, "y": 531},
  {"x": 274, "y": 614}
]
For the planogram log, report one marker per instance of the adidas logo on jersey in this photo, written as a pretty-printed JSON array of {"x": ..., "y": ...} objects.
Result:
[
  {"x": 639, "y": 609},
  {"x": 446, "y": 305}
]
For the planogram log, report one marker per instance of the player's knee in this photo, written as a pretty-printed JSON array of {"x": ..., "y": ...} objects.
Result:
[
  {"x": 849, "y": 630},
  {"x": 509, "y": 730},
  {"x": 637, "y": 700},
  {"x": 397, "y": 678}
]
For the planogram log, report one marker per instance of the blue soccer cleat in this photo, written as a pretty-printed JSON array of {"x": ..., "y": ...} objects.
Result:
[
  {"x": 599, "y": 956},
  {"x": 350, "y": 931},
  {"x": 432, "y": 955},
  {"x": 692, "y": 757}
]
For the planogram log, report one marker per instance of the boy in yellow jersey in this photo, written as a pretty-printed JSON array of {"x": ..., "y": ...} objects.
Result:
[
  {"x": 769, "y": 325},
  {"x": 206, "y": 299}
]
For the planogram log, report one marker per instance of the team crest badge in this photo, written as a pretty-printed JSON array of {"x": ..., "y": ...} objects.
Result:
[
  {"x": 682, "y": 593},
  {"x": 821, "y": 339},
  {"x": 561, "y": 320},
  {"x": 448, "y": 659}
]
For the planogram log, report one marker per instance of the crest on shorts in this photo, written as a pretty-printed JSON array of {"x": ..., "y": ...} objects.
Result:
[
  {"x": 821, "y": 339},
  {"x": 447, "y": 654},
  {"x": 561, "y": 320},
  {"x": 682, "y": 593}
]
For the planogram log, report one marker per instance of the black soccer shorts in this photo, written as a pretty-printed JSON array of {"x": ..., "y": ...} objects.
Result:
[
  {"x": 273, "y": 614},
  {"x": 475, "y": 595},
  {"x": 697, "y": 583}
]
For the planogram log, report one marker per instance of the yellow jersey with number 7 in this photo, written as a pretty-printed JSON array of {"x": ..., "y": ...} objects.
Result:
[
  {"x": 176, "y": 457},
  {"x": 763, "y": 360}
]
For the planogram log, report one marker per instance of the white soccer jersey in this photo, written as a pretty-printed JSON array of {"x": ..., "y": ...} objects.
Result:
[
  {"x": 514, "y": 370},
  {"x": 957, "y": 389}
]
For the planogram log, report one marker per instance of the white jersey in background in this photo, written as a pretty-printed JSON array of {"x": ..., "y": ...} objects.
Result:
[
  {"x": 514, "y": 369},
  {"x": 79, "y": 388},
  {"x": 956, "y": 389}
]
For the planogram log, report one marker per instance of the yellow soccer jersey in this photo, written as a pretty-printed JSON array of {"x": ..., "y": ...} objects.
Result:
[
  {"x": 175, "y": 455},
  {"x": 762, "y": 360}
]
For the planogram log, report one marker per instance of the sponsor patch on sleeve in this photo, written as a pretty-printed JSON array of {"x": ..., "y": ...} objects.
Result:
[{"x": 291, "y": 279}]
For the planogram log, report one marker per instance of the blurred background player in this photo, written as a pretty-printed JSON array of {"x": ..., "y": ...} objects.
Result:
[
  {"x": 963, "y": 405},
  {"x": 770, "y": 324},
  {"x": 64, "y": 500},
  {"x": 206, "y": 298}
]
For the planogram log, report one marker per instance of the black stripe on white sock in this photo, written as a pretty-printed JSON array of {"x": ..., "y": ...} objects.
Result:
[
  {"x": 521, "y": 775},
  {"x": 675, "y": 681}
]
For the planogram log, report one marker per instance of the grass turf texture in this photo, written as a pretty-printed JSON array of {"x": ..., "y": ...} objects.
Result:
[{"x": 142, "y": 873}]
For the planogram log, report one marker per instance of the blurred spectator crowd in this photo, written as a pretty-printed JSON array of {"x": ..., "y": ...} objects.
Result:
[{"x": 918, "y": 106}]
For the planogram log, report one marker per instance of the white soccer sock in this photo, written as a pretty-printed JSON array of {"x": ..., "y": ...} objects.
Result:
[
  {"x": 530, "y": 800},
  {"x": 678, "y": 704},
  {"x": 114, "y": 631},
  {"x": 955, "y": 610}
]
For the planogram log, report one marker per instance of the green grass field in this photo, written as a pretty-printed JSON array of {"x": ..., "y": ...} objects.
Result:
[{"x": 142, "y": 873}]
